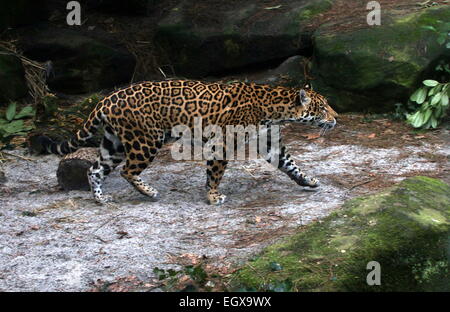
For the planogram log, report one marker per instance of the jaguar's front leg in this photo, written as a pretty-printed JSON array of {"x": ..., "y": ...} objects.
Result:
[
  {"x": 214, "y": 173},
  {"x": 277, "y": 155},
  {"x": 288, "y": 166}
]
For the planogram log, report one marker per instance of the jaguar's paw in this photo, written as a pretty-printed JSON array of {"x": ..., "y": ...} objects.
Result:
[{"x": 216, "y": 199}]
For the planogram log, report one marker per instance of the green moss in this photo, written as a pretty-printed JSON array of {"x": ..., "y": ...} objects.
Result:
[
  {"x": 231, "y": 48},
  {"x": 314, "y": 9},
  {"x": 406, "y": 229}
]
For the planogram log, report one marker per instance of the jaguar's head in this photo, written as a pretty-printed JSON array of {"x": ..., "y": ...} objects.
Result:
[{"x": 312, "y": 108}]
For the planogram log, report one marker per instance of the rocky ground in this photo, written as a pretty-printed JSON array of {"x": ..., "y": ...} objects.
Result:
[{"x": 62, "y": 241}]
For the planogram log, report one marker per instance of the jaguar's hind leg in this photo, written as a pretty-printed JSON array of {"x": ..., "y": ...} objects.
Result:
[
  {"x": 214, "y": 173},
  {"x": 139, "y": 156},
  {"x": 111, "y": 155}
]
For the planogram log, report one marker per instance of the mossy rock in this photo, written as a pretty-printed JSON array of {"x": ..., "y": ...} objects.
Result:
[
  {"x": 380, "y": 65},
  {"x": 289, "y": 73},
  {"x": 218, "y": 36},
  {"x": 406, "y": 229},
  {"x": 12, "y": 78}
]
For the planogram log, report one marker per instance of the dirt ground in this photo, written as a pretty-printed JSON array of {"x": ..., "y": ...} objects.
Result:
[{"x": 63, "y": 241}]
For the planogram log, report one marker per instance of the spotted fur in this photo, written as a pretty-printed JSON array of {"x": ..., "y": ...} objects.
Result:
[{"x": 138, "y": 119}]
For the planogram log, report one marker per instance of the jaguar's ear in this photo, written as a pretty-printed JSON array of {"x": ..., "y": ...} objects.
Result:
[
  {"x": 307, "y": 86},
  {"x": 304, "y": 98}
]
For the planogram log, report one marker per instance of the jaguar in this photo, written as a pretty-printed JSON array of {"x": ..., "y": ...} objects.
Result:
[{"x": 137, "y": 121}]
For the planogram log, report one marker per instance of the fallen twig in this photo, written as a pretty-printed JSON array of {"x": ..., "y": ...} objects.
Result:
[
  {"x": 18, "y": 156},
  {"x": 362, "y": 183}
]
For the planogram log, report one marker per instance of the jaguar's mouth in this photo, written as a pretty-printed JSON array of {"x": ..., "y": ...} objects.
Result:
[{"x": 327, "y": 125}]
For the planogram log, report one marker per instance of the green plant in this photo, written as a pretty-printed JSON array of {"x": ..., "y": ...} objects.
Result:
[
  {"x": 84, "y": 108},
  {"x": 12, "y": 124},
  {"x": 428, "y": 271},
  {"x": 172, "y": 277},
  {"x": 432, "y": 98}
]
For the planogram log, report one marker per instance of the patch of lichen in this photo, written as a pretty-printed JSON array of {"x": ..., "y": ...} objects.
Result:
[{"x": 406, "y": 229}]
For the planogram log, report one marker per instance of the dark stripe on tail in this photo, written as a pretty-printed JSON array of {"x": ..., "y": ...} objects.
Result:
[{"x": 90, "y": 127}]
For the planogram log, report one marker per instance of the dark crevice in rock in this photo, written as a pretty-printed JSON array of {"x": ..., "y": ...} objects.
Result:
[
  {"x": 307, "y": 51},
  {"x": 251, "y": 68}
]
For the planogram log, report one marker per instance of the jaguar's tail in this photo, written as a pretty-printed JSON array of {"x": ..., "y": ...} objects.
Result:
[{"x": 44, "y": 144}]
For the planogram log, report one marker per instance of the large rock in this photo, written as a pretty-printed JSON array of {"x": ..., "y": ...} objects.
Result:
[
  {"x": 82, "y": 62},
  {"x": 12, "y": 78},
  {"x": 405, "y": 229},
  {"x": 377, "y": 66},
  {"x": 290, "y": 73},
  {"x": 14, "y": 13},
  {"x": 206, "y": 37}
]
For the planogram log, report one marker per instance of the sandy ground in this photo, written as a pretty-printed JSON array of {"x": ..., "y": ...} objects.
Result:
[{"x": 52, "y": 240}]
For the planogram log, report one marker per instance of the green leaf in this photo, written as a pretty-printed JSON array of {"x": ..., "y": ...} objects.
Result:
[
  {"x": 421, "y": 96},
  {"x": 430, "y": 83},
  {"x": 435, "y": 90},
  {"x": 414, "y": 96},
  {"x": 412, "y": 118},
  {"x": 436, "y": 99},
  {"x": 434, "y": 122},
  {"x": 447, "y": 45},
  {"x": 420, "y": 119},
  {"x": 427, "y": 115},
  {"x": 14, "y": 126},
  {"x": 444, "y": 100},
  {"x": 432, "y": 91},
  {"x": 11, "y": 111},
  {"x": 428, "y": 27},
  {"x": 27, "y": 111},
  {"x": 415, "y": 119}
]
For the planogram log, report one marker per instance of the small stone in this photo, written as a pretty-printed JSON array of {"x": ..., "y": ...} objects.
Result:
[{"x": 73, "y": 168}]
